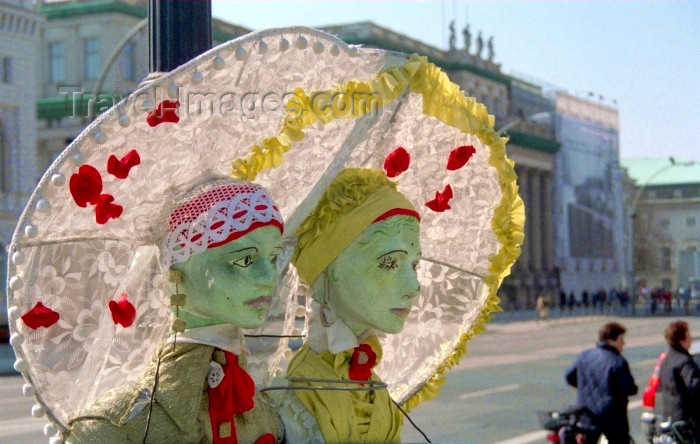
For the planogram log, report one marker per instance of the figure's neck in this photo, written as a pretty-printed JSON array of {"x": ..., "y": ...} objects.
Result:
[
  {"x": 357, "y": 330},
  {"x": 194, "y": 321}
]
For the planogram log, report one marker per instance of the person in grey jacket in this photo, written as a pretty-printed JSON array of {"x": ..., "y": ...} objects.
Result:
[
  {"x": 679, "y": 379},
  {"x": 604, "y": 382}
]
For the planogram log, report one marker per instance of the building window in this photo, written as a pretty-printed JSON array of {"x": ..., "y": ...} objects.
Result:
[
  {"x": 664, "y": 222},
  {"x": 6, "y": 68},
  {"x": 664, "y": 193},
  {"x": 57, "y": 69},
  {"x": 665, "y": 259},
  {"x": 690, "y": 192},
  {"x": 129, "y": 62},
  {"x": 690, "y": 221},
  {"x": 92, "y": 58},
  {"x": 666, "y": 284}
]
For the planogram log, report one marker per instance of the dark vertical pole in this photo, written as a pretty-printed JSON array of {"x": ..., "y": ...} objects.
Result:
[{"x": 179, "y": 30}]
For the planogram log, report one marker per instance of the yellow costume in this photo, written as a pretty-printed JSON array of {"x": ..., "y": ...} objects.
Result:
[{"x": 345, "y": 416}]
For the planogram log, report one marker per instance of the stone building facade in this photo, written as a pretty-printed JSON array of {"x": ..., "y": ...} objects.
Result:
[
  {"x": 666, "y": 218},
  {"x": 20, "y": 31},
  {"x": 79, "y": 40}
]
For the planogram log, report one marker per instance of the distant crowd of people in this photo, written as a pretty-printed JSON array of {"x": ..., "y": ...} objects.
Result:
[
  {"x": 619, "y": 302},
  {"x": 661, "y": 299},
  {"x": 600, "y": 301}
]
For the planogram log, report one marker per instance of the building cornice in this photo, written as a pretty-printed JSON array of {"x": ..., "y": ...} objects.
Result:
[
  {"x": 222, "y": 31},
  {"x": 370, "y": 34},
  {"x": 533, "y": 142},
  {"x": 62, "y": 10}
]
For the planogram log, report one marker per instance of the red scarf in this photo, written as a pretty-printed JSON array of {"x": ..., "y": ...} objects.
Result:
[{"x": 233, "y": 395}]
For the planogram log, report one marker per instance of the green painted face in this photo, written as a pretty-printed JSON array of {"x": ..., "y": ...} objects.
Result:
[
  {"x": 372, "y": 283},
  {"x": 233, "y": 283}
]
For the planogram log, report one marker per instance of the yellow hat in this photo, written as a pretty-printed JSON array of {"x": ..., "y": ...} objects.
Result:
[{"x": 353, "y": 201}]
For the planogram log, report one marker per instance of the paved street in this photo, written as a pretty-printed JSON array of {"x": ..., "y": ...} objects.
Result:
[
  {"x": 515, "y": 369},
  {"x": 510, "y": 372}
]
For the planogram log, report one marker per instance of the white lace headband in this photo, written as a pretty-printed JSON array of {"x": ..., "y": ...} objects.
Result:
[{"x": 215, "y": 217}]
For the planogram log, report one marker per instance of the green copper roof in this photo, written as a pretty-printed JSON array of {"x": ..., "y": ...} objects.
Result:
[
  {"x": 661, "y": 171},
  {"x": 533, "y": 142},
  {"x": 73, "y": 9},
  {"x": 58, "y": 107},
  {"x": 221, "y": 30}
]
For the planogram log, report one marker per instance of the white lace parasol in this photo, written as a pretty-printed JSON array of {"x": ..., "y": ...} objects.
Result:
[{"x": 290, "y": 108}]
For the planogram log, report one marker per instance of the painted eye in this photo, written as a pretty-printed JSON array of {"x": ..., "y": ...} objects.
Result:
[
  {"x": 388, "y": 263},
  {"x": 243, "y": 262},
  {"x": 415, "y": 265},
  {"x": 273, "y": 259}
]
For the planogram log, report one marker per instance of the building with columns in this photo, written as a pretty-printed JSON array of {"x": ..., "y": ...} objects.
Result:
[{"x": 78, "y": 43}]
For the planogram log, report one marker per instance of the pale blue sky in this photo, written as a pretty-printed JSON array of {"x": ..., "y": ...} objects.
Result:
[{"x": 643, "y": 54}]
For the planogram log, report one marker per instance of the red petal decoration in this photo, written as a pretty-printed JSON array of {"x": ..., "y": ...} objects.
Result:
[
  {"x": 85, "y": 185},
  {"x": 40, "y": 316},
  {"x": 166, "y": 111},
  {"x": 459, "y": 157},
  {"x": 396, "y": 162},
  {"x": 120, "y": 168},
  {"x": 441, "y": 201},
  {"x": 106, "y": 210},
  {"x": 123, "y": 311},
  {"x": 361, "y": 363},
  {"x": 267, "y": 438}
]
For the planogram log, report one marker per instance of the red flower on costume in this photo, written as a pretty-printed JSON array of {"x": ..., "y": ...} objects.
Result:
[
  {"x": 40, "y": 316},
  {"x": 166, "y": 111},
  {"x": 361, "y": 363},
  {"x": 459, "y": 157},
  {"x": 441, "y": 201},
  {"x": 397, "y": 162},
  {"x": 106, "y": 210},
  {"x": 85, "y": 186},
  {"x": 123, "y": 311},
  {"x": 120, "y": 167}
]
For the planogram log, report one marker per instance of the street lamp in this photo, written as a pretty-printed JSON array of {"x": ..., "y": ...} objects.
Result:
[
  {"x": 113, "y": 57},
  {"x": 541, "y": 117}
]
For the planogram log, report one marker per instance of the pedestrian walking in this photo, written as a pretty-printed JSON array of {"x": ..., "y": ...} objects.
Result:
[
  {"x": 585, "y": 300},
  {"x": 542, "y": 307},
  {"x": 614, "y": 301},
  {"x": 571, "y": 301},
  {"x": 604, "y": 382},
  {"x": 562, "y": 300},
  {"x": 679, "y": 379}
]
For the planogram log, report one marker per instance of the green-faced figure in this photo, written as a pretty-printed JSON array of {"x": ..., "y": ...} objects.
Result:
[
  {"x": 359, "y": 250},
  {"x": 372, "y": 283},
  {"x": 232, "y": 283},
  {"x": 219, "y": 255}
]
